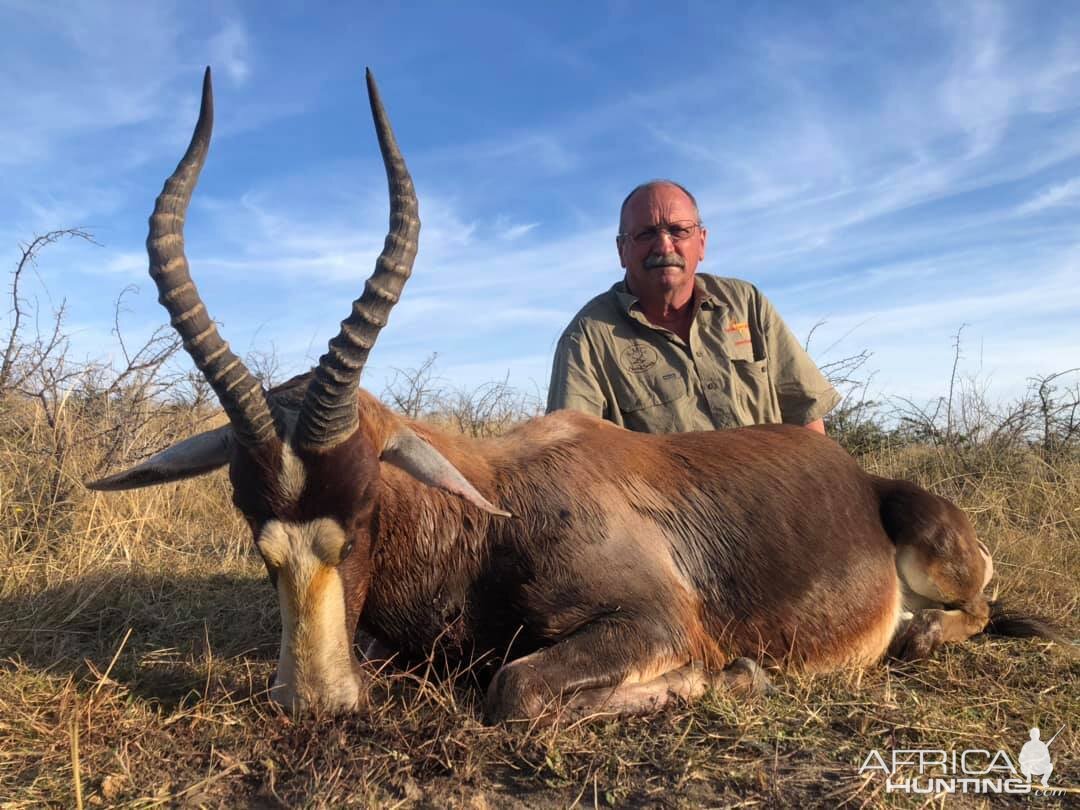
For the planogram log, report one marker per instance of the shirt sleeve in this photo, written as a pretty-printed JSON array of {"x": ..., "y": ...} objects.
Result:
[
  {"x": 804, "y": 393},
  {"x": 573, "y": 379}
]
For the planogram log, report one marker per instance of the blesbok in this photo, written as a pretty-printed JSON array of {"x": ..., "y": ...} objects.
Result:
[{"x": 608, "y": 568}]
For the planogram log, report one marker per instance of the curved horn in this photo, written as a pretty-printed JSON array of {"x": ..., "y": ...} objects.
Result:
[
  {"x": 238, "y": 390},
  {"x": 329, "y": 414}
]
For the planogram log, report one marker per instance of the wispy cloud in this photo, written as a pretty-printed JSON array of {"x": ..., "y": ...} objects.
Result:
[
  {"x": 229, "y": 48},
  {"x": 511, "y": 232},
  {"x": 126, "y": 263},
  {"x": 1055, "y": 195},
  {"x": 49, "y": 101}
]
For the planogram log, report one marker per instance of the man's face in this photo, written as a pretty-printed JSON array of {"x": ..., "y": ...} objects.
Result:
[{"x": 659, "y": 267}]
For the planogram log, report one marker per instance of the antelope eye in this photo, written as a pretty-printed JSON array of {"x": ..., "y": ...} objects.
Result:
[{"x": 345, "y": 551}]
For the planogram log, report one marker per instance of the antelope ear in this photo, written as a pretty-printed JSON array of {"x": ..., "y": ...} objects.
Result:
[
  {"x": 408, "y": 452},
  {"x": 195, "y": 456}
]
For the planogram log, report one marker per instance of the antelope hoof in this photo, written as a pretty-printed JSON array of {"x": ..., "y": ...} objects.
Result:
[
  {"x": 516, "y": 695},
  {"x": 919, "y": 640},
  {"x": 342, "y": 697},
  {"x": 745, "y": 676}
]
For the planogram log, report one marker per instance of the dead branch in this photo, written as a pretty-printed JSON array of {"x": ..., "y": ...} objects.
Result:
[{"x": 12, "y": 368}]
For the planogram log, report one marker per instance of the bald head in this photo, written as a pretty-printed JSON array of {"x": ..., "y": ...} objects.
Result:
[{"x": 649, "y": 186}]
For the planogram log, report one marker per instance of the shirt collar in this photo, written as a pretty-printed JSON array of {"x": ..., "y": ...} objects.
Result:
[{"x": 627, "y": 300}]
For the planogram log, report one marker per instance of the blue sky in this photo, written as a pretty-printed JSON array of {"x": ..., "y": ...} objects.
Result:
[{"x": 894, "y": 170}]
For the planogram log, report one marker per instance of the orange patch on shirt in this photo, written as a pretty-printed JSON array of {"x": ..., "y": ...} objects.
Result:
[
  {"x": 743, "y": 342},
  {"x": 737, "y": 327}
]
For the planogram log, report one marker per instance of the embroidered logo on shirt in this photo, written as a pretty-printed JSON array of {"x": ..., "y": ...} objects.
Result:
[
  {"x": 638, "y": 357},
  {"x": 741, "y": 332}
]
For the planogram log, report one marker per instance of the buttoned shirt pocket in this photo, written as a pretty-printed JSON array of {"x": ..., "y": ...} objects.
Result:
[
  {"x": 651, "y": 402},
  {"x": 754, "y": 393}
]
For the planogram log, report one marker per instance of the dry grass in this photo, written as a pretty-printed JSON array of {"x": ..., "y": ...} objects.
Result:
[{"x": 138, "y": 634}]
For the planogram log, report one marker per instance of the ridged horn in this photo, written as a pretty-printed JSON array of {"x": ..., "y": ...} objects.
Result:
[
  {"x": 238, "y": 390},
  {"x": 329, "y": 413}
]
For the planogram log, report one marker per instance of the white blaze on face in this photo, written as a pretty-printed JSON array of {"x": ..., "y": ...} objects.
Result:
[
  {"x": 315, "y": 664},
  {"x": 292, "y": 477}
]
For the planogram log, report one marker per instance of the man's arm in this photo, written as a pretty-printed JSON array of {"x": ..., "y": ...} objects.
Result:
[
  {"x": 804, "y": 393},
  {"x": 573, "y": 380}
]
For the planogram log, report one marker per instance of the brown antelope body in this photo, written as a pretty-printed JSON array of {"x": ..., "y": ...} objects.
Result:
[{"x": 608, "y": 568}]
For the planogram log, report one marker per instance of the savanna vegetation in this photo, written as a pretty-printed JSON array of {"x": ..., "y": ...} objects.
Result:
[{"x": 138, "y": 632}]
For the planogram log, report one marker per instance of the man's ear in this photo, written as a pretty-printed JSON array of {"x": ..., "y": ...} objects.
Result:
[
  {"x": 619, "y": 242},
  {"x": 195, "y": 456}
]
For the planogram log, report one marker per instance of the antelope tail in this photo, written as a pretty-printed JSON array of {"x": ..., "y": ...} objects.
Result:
[{"x": 1005, "y": 622}]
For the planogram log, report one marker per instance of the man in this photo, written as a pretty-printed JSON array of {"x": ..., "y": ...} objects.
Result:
[{"x": 668, "y": 350}]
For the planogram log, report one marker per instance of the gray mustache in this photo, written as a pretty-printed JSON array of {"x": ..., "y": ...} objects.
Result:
[{"x": 667, "y": 260}]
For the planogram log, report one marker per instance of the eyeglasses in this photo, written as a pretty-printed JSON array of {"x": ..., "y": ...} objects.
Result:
[{"x": 678, "y": 231}]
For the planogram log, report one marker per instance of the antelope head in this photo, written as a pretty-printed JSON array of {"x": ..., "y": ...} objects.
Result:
[{"x": 304, "y": 460}]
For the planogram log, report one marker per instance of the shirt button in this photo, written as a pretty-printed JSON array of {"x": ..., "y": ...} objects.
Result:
[
  {"x": 698, "y": 354},
  {"x": 711, "y": 386}
]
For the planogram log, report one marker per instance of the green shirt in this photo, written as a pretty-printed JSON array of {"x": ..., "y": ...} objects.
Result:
[{"x": 743, "y": 365}]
